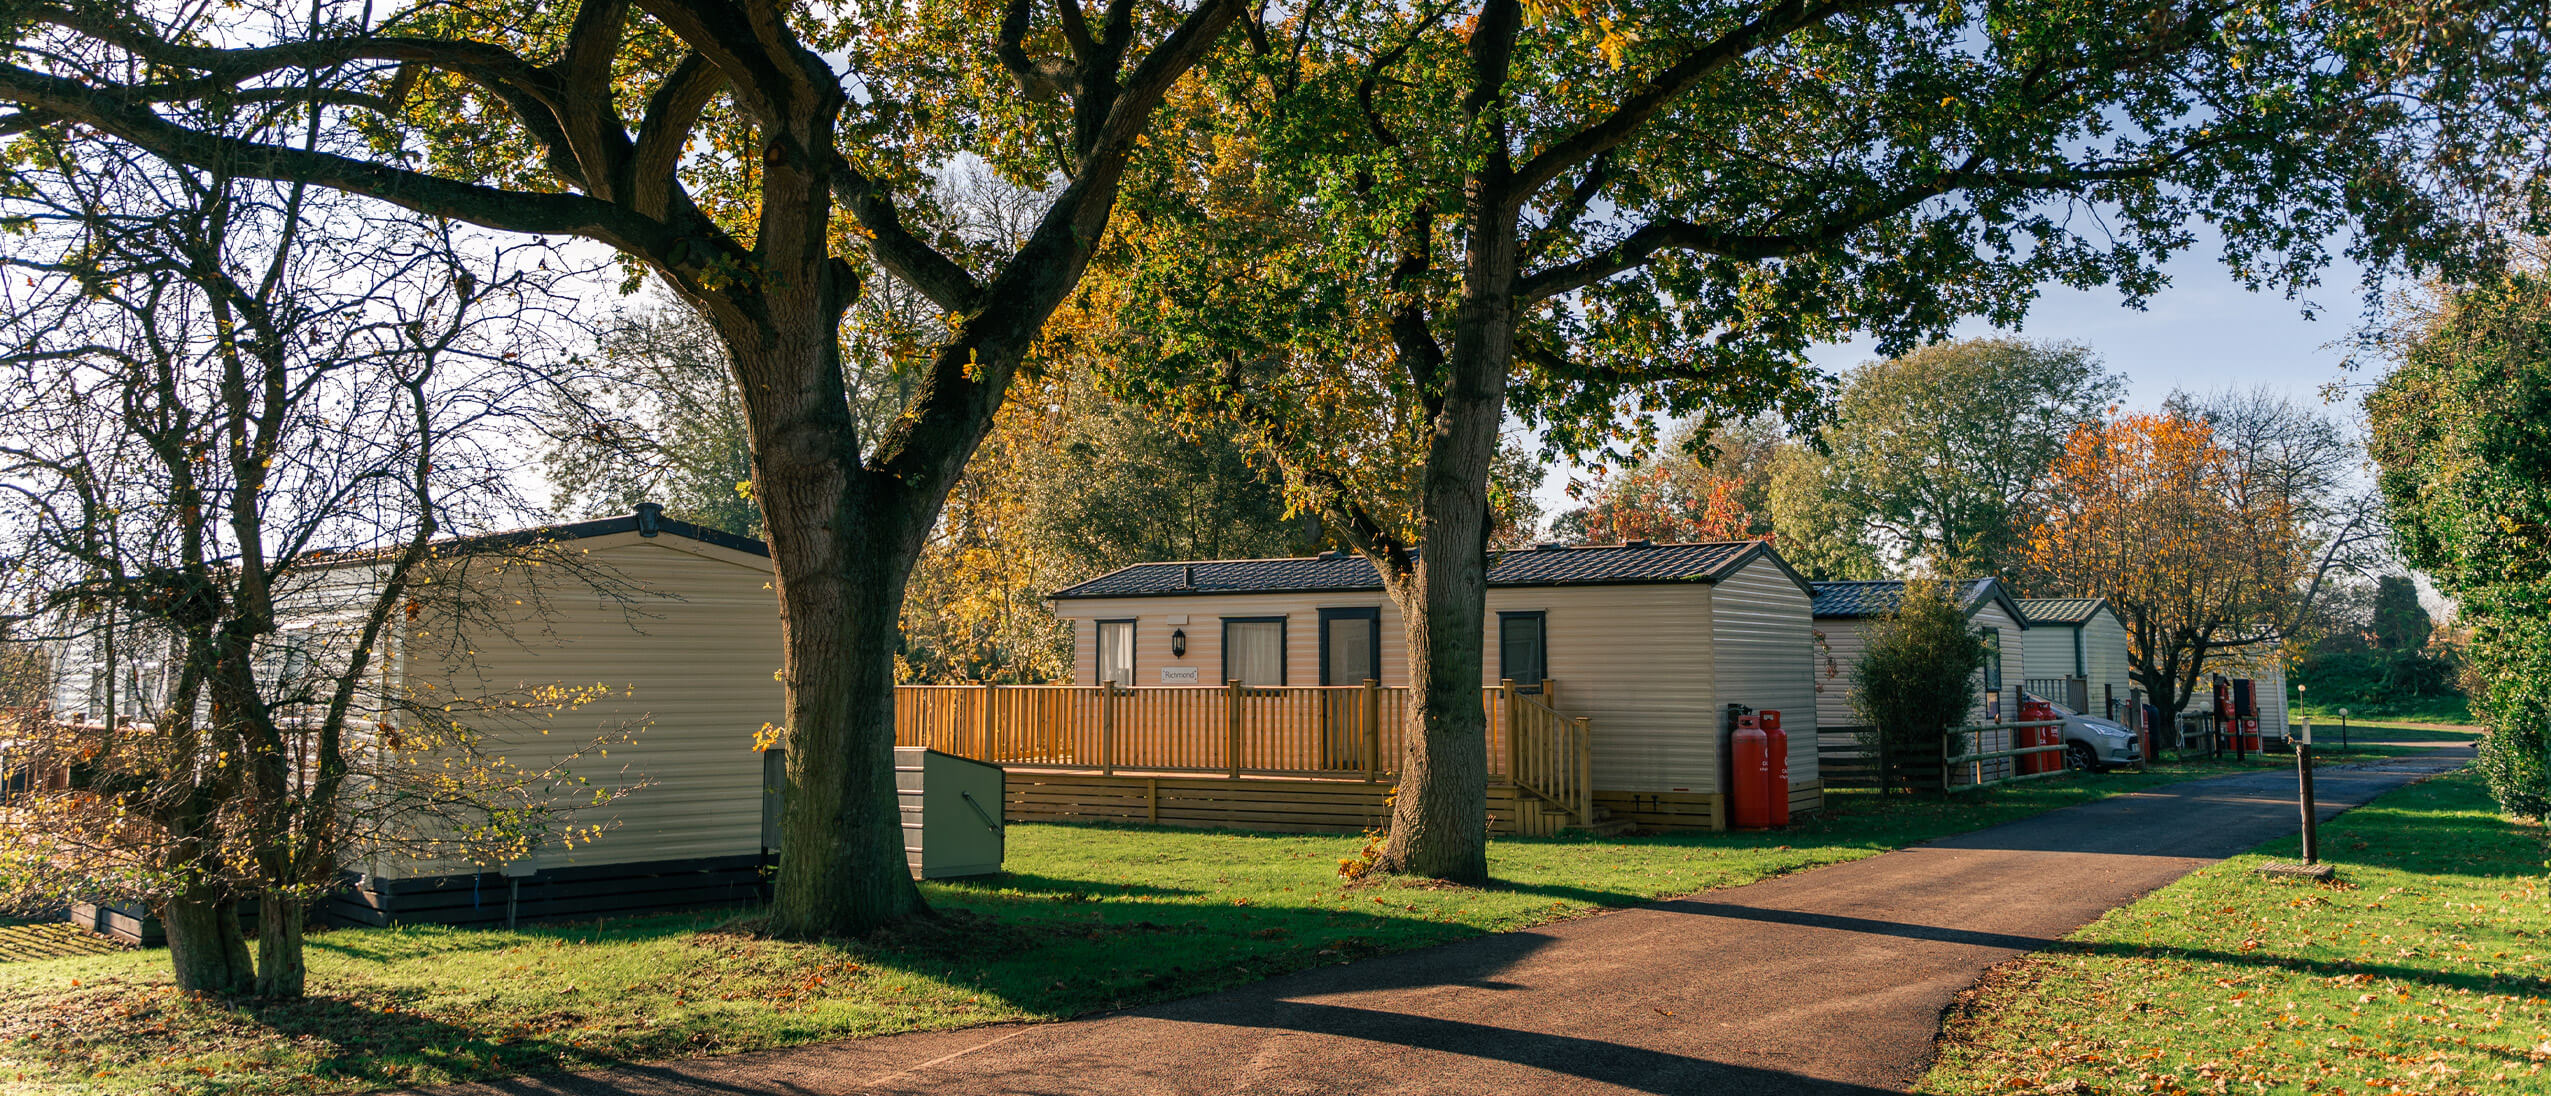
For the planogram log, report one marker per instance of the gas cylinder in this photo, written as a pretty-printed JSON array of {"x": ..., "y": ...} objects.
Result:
[
  {"x": 2032, "y": 711},
  {"x": 1749, "y": 774},
  {"x": 1776, "y": 778}
]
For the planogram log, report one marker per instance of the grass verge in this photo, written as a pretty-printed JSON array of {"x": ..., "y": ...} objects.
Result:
[
  {"x": 2426, "y": 968},
  {"x": 1086, "y": 918},
  {"x": 2435, "y": 709}
]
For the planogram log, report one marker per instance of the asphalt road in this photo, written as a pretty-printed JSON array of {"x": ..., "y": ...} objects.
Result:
[{"x": 1826, "y": 982}]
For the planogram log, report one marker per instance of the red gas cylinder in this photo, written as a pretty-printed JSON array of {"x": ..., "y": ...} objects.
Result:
[
  {"x": 1776, "y": 751},
  {"x": 2250, "y": 734},
  {"x": 1749, "y": 775},
  {"x": 2034, "y": 711}
]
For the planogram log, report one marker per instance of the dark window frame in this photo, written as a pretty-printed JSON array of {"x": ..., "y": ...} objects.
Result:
[
  {"x": 1992, "y": 637},
  {"x": 1371, "y": 615},
  {"x": 1284, "y": 645},
  {"x": 1541, "y": 618},
  {"x": 1098, "y": 661}
]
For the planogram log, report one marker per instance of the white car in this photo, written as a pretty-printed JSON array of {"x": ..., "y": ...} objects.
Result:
[{"x": 2093, "y": 743}]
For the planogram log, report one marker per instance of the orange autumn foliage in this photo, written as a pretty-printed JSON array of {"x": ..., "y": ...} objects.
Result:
[{"x": 2152, "y": 513}]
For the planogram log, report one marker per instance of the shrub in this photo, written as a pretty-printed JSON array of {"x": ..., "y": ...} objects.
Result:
[{"x": 1916, "y": 678}]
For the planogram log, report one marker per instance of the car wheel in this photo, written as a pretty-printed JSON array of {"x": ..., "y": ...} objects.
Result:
[{"x": 2078, "y": 753}]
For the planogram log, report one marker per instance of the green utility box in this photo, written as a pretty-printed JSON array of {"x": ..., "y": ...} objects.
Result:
[{"x": 951, "y": 813}]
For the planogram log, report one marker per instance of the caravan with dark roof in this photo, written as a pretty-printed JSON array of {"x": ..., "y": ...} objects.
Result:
[
  {"x": 1648, "y": 643},
  {"x": 1844, "y": 609}
]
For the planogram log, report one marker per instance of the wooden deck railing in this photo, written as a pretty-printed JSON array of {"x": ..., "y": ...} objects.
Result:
[
  {"x": 1548, "y": 754},
  {"x": 1329, "y": 731}
]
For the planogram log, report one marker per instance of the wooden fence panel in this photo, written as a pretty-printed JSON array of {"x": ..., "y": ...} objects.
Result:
[{"x": 1330, "y": 730}]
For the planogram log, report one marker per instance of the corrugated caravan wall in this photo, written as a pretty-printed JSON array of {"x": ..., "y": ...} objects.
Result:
[
  {"x": 2104, "y": 638},
  {"x": 1764, "y": 638},
  {"x": 689, "y": 664},
  {"x": 1637, "y": 662},
  {"x": 1835, "y": 657}
]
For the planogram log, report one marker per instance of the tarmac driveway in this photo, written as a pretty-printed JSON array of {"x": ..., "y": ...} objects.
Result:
[{"x": 1828, "y": 981}]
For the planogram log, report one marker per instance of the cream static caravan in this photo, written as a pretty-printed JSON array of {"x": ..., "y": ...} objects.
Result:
[
  {"x": 2082, "y": 640},
  {"x": 1648, "y": 642},
  {"x": 673, "y": 627},
  {"x": 1843, "y": 612},
  {"x": 678, "y": 633}
]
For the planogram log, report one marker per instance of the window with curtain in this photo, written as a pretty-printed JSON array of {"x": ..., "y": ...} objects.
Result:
[
  {"x": 1116, "y": 652},
  {"x": 1253, "y": 650}
]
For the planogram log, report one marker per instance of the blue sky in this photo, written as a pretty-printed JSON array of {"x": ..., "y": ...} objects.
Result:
[{"x": 2204, "y": 332}]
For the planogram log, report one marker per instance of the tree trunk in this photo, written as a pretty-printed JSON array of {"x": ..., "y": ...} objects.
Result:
[
  {"x": 842, "y": 549},
  {"x": 280, "y": 973},
  {"x": 1439, "y": 813},
  {"x": 1439, "y": 819},
  {"x": 205, "y": 947},
  {"x": 842, "y": 869}
]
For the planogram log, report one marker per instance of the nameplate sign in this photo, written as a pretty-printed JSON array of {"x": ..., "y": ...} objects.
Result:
[{"x": 1178, "y": 675}]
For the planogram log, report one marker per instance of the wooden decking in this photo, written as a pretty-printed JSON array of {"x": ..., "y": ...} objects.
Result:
[{"x": 1310, "y": 757}]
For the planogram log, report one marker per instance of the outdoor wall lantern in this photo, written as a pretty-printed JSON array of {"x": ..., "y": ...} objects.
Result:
[{"x": 1178, "y": 643}]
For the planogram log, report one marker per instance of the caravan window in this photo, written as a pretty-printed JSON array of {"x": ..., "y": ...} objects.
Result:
[
  {"x": 1523, "y": 648},
  {"x": 1253, "y": 650},
  {"x": 1116, "y": 652}
]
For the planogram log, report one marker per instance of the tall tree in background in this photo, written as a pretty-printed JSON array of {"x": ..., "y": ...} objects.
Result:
[
  {"x": 659, "y": 421},
  {"x": 2462, "y": 438},
  {"x": 2400, "y": 623},
  {"x": 2150, "y": 512},
  {"x": 1940, "y": 454},
  {"x": 1819, "y": 533},
  {"x": 2298, "y": 458},
  {"x": 1698, "y": 486},
  {"x": 1394, "y": 228},
  {"x": 715, "y": 144}
]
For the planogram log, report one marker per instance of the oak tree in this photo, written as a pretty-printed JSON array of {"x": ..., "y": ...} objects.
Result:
[
  {"x": 769, "y": 162},
  {"x": 1392, "y": 229}
]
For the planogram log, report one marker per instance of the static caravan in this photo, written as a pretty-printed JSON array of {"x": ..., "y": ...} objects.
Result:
[
  {"x": 1648, "y": 643},
  {"x": 1843, "y": 612},
  {"x": 2078, "y": 643},
  {"x": 2264, "y": 665},
  {"x": 668, "y": 632},
  {"x": 674, "y": 633}
]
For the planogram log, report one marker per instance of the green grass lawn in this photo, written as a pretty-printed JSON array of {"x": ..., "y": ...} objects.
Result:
[
  {"x": 2425, "y": 969},
  {"x": 2442, "y": 709},
  {"x": 2327, "y": 732},
  {"x": 1086, "y": 918}
]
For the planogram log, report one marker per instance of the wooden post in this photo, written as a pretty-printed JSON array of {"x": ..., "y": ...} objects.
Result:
[
  {"x": 1585, "y": 773},
  {"x": 1372, "y": 730},
  {"x": 983, "y": 722},
  {"x": 1550, "y": 693},
  {"x": 1107, "y": 728},
  {"x": 1506, "y": 706},
  {"x": 1231, "y": 717}
]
